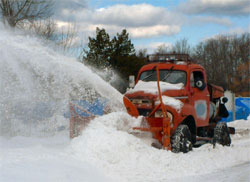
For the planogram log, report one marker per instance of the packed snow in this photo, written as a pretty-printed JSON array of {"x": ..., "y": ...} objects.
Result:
[
  {"x": 171, "y": 101},
  {"x": 108, "y": 150},
  {"x": 36, "y": 148},
  {"x": 151, "y": 87}
]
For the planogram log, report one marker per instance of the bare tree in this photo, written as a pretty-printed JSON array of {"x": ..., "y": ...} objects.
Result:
[
  {"x": 182, "y": 47},
  {"x": 162, "y": 49},
  {"x": 141, "y": 53},
  {"x": 15, "y": 12},
  {"x": 68, "y": 37},
  {"x": 43, "y": 28},
  {"x": 65, "y": 37},
  {"x": 225, "y": 58}
]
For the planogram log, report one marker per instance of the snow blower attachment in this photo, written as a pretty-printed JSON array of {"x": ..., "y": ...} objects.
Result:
[
  {"x": 160, "y": 127},
  {"x": 183, "y": 110}
]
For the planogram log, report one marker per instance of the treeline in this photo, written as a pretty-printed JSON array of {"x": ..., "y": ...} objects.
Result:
[
  {"x": 226, "y": 60},
  {"x": 225, "y": 57}
]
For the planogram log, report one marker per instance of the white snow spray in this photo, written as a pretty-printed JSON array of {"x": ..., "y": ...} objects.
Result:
[{"x": 37, "y": 83}]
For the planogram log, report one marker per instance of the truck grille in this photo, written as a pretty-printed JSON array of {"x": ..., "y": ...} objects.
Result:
[
  {"x": 140, "y": 101},
  {"x": 144, "y": 112}
]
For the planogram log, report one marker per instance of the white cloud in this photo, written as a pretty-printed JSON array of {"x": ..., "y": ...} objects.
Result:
[
  {"x": 134, "y": 15},
  {"x": 230, "y": 32},
  {"x": 219, "y": 7},
  {"x": 141, "y": 20},
  {"x": 238, "y": 30},
  {"x": 154, "y": 31},
  {"x": 152, "y": 47},
  {"x": 210, "y": 19},
  {"x": 62, "y": 24}
]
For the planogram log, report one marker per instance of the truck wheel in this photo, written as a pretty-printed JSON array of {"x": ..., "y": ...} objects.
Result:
[
  {"x": 181, "y": 140},
  {"x": 221, "y": 134}
]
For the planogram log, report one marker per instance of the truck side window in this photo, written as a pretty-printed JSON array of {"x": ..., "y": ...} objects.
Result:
[
  {"x": 198, "y": 75},
  {"x": 198, "y": 80}
]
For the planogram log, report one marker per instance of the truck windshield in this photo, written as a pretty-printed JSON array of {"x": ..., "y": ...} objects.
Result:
[{"x": 170, "y": 76}]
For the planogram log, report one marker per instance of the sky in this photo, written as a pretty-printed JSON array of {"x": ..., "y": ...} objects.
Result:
[{"x": 156, "y": 22}]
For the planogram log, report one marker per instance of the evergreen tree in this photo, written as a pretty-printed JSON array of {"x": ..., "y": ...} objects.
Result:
[
  {"x": 99, "y": 50},
  {"x": 117, "y": 53},
  {"x": 103, "y": 52}
]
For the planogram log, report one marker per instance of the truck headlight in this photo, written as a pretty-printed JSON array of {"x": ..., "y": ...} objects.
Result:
[
  {"x": 141, "y": 101},
  {"x": 170, "y": 115},
  {"x": 158, "y": 114}
]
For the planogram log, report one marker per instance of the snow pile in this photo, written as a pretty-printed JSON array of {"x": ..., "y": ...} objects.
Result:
[
  {"x": 37, "y": 83},
  {"x": 107, "y": 151},
  {"x": 172, "y": 102},
  {"x": 126, "y": 157},
  {"x": 41, "y": 128},
  {"x": 151, "y": 87},
  {"x": 241, "y": 124},
  {"x": 28, "y": 159},
  {"x": 242, "y": 128}
]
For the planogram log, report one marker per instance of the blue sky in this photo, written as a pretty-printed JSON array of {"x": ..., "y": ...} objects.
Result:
[{"x": 157, "y": 22}]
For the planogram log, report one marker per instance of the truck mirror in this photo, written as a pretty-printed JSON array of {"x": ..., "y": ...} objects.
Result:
[
  {"x": 200, "y": 84},
  {"x": 131, "y": 81}
]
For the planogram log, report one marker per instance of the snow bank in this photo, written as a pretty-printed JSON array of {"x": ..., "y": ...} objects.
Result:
[
  {"x": 242, "y": 128},
  {"x": 151, "y": 87},
  {"x": 125, "y": 157},
  {"x": 27, "y": 159},
  {"x": 241, "y": 124},
  {"x": 107, "y": 151}
]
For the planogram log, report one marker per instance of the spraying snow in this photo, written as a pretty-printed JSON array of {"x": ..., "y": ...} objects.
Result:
[{"x": 37, "y": 83}]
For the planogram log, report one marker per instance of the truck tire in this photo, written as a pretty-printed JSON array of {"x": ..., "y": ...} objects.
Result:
[
  {"x": 221, "y": 134},
  {"x": 181, "y": 140}
]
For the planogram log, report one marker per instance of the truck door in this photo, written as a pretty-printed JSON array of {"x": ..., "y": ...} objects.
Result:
[{"x": 200, "y": 97}]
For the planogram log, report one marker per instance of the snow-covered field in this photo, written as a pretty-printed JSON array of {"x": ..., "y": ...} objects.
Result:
[
  {"x": 37, "y": 148},
  {"x": 107, "y": 151}
]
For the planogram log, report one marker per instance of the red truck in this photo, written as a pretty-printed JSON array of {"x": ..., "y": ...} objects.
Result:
[{"x": 178, "y": 106}]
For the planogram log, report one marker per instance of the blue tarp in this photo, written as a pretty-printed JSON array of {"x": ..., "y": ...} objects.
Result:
[
  {"x": 95, "y": 108},
  {"x": 242, "y": 109}
]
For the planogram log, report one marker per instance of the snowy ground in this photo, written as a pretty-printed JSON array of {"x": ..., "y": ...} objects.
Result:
[{"x": 107, "y": 151}]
